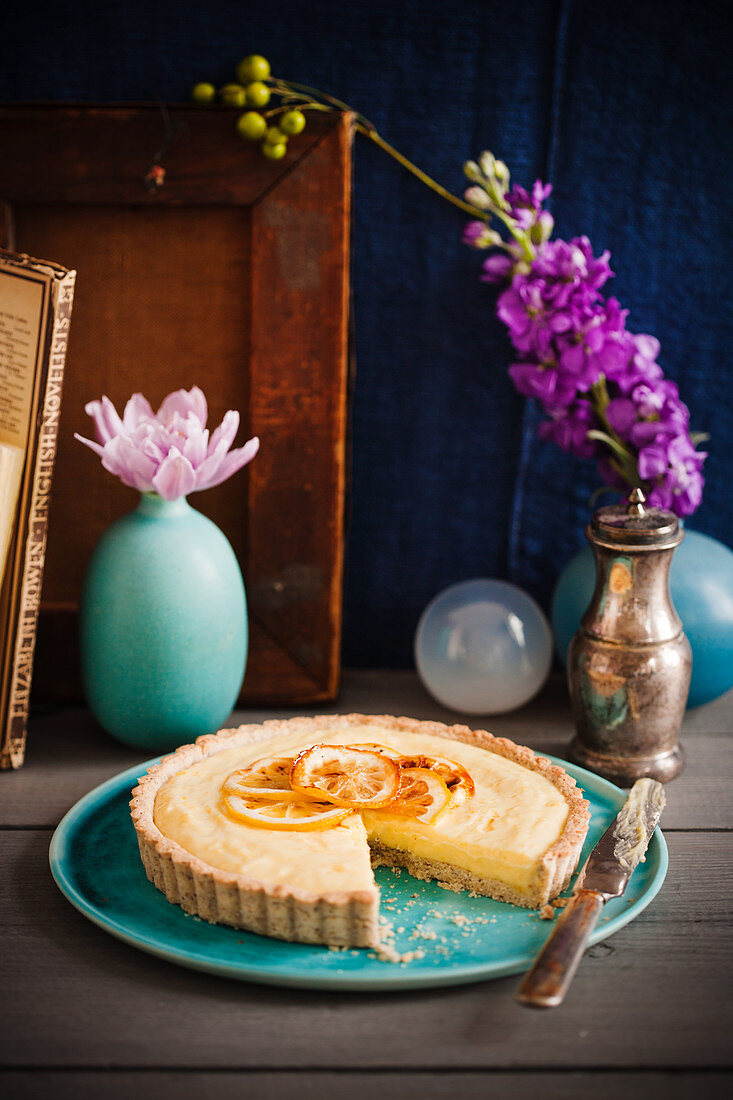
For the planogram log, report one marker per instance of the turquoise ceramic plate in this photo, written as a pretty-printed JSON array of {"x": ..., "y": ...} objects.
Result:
[{"x": 455, "y": 938}]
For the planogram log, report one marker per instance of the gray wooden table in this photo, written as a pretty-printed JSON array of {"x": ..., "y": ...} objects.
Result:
[{"x": 83, "y": 1014}]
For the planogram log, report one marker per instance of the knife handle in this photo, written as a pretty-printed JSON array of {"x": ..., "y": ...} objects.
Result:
[{"x": 549, "y": 979}]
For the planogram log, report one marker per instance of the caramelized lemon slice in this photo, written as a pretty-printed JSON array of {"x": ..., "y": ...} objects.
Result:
[
  {"x": 372, "y": 746},
  {"x": 301, "y": 815},
  {"x": 423, "y": 795},
  {"x": 456, "y": 778},
  {"x": 355, "y": 778},
  {"x": 267, "y": 778}
]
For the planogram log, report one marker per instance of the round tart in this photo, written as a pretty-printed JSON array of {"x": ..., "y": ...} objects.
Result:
[{"x": 276, "y": 827}]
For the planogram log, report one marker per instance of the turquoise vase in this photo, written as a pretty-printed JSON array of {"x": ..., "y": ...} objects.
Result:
[
  {"x": 163, "y": 626},
  {"x": 701, "y": 587}
]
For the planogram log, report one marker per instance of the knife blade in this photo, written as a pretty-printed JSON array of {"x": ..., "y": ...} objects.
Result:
[{"x": 605, "y": 874}]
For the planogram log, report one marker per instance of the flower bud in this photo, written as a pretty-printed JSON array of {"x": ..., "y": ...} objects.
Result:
[
  {"x": 478, "y": 235},
  {"x": 477, "y": 197},
  {"x": 497, "y": 195},
  {"x": 501, "y": 173},
  {"x": 542, "y": 229},
  {"x": 471, "y": 170}
]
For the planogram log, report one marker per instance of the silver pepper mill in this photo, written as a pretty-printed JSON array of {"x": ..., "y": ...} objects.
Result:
[{"x": 629, "y": 664}]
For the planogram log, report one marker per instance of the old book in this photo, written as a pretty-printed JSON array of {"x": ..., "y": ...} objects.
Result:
[{"x": 35, "y": 312}]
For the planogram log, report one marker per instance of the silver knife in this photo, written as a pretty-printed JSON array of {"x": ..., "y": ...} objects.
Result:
[{"x": 605, "y": 875}]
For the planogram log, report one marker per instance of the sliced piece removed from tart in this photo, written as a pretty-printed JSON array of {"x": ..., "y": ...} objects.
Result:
[{"x": 256, "y": 828}]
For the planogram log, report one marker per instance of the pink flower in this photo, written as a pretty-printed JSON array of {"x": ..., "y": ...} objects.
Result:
[{"x": 168, "y": 452}]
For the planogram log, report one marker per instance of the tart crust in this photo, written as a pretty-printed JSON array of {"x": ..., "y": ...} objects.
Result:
[{"x": 348, "y": 918}]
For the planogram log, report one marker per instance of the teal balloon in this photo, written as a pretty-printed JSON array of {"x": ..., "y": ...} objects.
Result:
[
  {"x": 163, "y": 626},
  {"x": 701, "y": 587}
]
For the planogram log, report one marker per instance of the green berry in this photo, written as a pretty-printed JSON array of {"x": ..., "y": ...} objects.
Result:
[
  {"x": 203, "y": 93},
  {"x": 254, "y": 67},
  {"x": 275, "y": 136},
  {"x": 292, "y": 122},
  {"x": 258, "y": 94},
  {"x": 233, "y": 95},
  {"x": 251, "y": 126},
  {"x": 274, "y": 152}
]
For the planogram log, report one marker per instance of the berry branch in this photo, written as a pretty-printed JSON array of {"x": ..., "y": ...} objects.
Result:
[{"x": 273, "y": 128}]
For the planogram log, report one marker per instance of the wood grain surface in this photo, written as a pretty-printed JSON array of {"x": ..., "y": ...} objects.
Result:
[{"x": 648, "y": 1013}]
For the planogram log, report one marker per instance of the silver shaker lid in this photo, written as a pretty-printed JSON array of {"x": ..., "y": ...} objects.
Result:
[{"x": 634, "y": 524}]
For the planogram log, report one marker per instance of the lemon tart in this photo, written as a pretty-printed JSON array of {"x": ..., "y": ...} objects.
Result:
[{"x": 275, "y": 828}]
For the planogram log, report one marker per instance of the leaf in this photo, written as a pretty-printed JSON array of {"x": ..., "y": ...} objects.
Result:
[{"x": 611, "y": 443}]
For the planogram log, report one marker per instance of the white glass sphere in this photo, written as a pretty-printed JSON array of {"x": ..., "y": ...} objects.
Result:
[{"x": 483, "y": 647}]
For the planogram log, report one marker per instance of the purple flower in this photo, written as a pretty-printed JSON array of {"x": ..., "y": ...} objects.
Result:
[
  {"x": 575, "y": 354},
  {"x": 555, "y": 311},
  {"x": 543, "y": 381},
  {"x": 526, "y": 207},
  {"x": 589, "y": 347},
  {"x": 473, "y": 234},
  {"x": 569, "y": 427},
  {"x": 635, "y": 361},
  {"x": 497, "y": 268},
  {"x": 650, "y": 411},
  {"x": 168, "y": 452},
  {"x": 673, "y": 469},
  {"x": 573, "y": 262},
  {"x": 621, "y": 415}
]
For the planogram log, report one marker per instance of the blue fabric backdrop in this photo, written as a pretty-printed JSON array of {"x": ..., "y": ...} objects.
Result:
[{"x": 623, "y": 106}]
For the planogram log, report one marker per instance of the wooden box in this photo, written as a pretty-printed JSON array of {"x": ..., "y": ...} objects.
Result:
[{"x": 232, "y": 276}]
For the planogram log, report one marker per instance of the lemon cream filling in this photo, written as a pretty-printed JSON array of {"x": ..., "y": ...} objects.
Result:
[
  {"x": 189, "y": 809},
  {"x": 501, "y": 833}
]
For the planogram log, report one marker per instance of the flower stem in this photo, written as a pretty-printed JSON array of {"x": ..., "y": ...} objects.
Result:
[
  {"x": 372, "y": 134},
  {"x": 365, "y": 127},
  {"x": 622, "y": 459},
  {"x": 285, "y": 87},
  {"x": 518, "y": 234}
]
